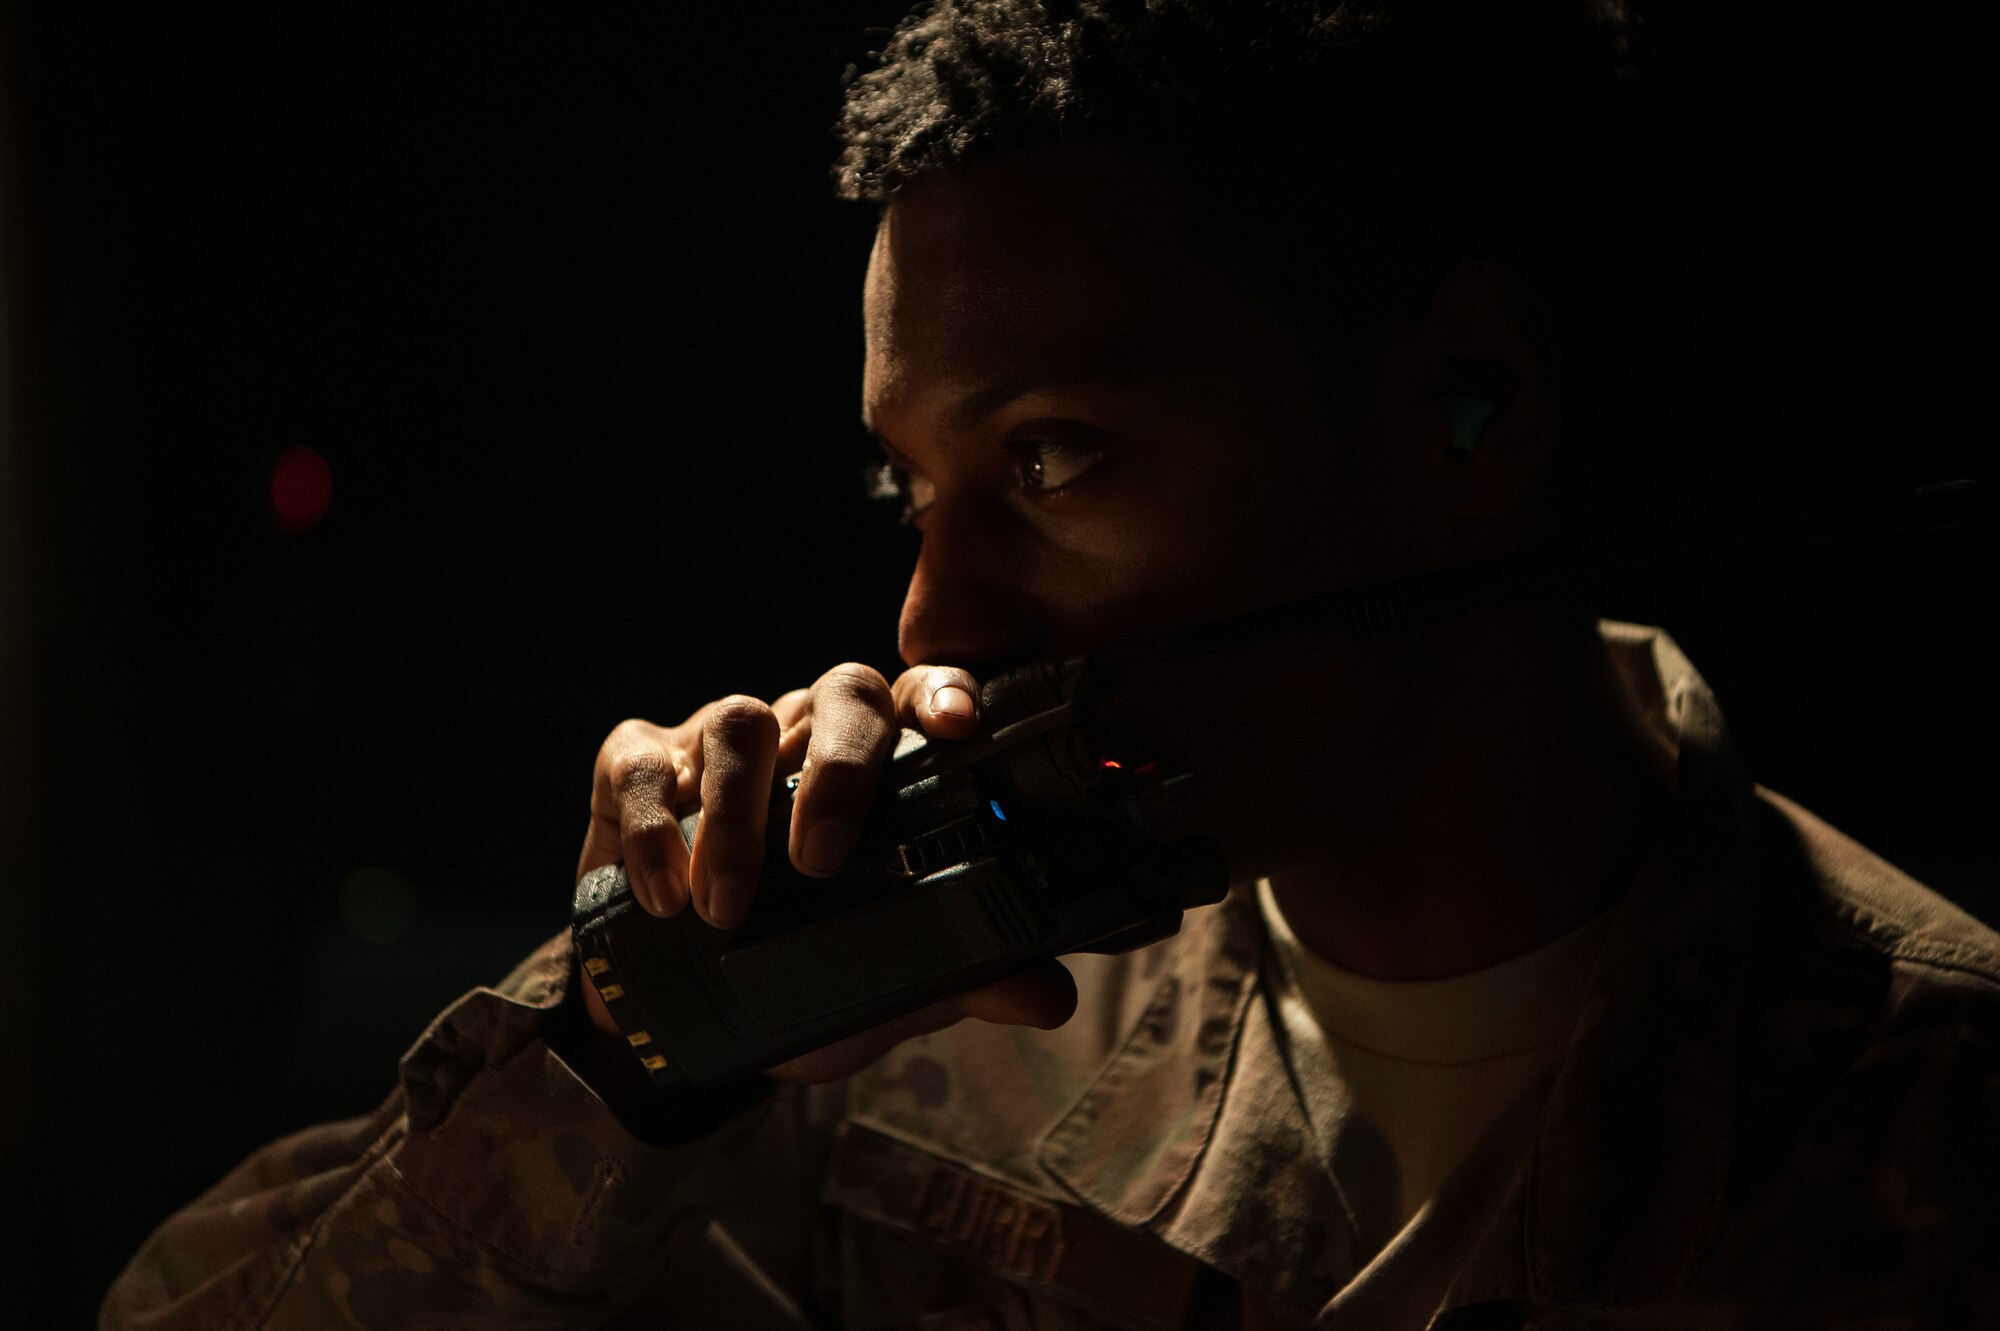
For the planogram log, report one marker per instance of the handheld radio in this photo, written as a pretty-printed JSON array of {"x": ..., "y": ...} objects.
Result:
[{"x": 1036, "y": 838}]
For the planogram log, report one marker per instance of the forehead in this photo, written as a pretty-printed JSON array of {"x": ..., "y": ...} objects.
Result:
[{"x": 1042, "y": 266}]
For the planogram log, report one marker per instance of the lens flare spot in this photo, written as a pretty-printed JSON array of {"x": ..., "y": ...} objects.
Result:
[{"x": 301, "y": 489}]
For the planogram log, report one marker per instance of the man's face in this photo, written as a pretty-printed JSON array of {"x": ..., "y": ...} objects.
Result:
[{"x": 1103, "y": 434}]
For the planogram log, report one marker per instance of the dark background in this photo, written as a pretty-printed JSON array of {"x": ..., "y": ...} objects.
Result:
[{"x": 567, "y": 306}]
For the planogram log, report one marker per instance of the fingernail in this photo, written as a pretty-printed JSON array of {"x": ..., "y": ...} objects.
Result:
[
  {"x": 641, "y": 883},
  {"x": 668, "y": 894},
  {"x": 725, "y": 897},
  {"x": 827, "y": 843},
  {"x": 951, "y": 700}
]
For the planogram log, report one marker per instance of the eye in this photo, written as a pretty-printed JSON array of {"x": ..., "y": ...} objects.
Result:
[
  {"x": 1050, "y": 464},
  {"x": 908, "y": 492}
]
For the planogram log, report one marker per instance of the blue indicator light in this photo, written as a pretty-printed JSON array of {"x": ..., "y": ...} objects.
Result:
[{"x": 995, "y": 806}]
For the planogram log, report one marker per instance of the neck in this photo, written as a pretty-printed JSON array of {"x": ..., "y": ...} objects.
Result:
[{"x": 1495, "y": 794}]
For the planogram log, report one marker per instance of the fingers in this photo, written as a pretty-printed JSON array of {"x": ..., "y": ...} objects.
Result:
[
  {"x": 853, "y": 728},
  {"x": 739, "y": 743},
  {"x": 794, "y": 713},
  {"x": 837, "y": 734},
  {"x": 845, "y": 1057},
  {"x": 632, "y": 800},
  {"x": 1044, "y": 997},
  {"x": 938, "y": 700}
]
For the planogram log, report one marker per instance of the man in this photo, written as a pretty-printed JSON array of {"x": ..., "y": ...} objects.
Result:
[{"x": 1525, "y": 1009}]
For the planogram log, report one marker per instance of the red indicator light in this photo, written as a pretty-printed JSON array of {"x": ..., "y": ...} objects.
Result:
[
  {"x": 301, "y": 489},
  {"x": 1112, "y": 762}
]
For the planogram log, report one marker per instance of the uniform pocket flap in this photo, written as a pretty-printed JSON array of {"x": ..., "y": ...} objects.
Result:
[{"x": 1124, "y": 1277}]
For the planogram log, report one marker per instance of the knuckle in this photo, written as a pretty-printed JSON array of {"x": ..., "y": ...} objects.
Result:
[
  {"x": 739, "y": 718},
  {"x": 910, "y": 686},
  {"x": 859, "y": 683},
  {"x": 942, "y": 675},
  {"x": 645, "y": 824},
  {"x": 858, "y": 735},
  {"x": 793, "y": 710},
  {"x": 636, "y": 770},
  {"x": 844, "y": 765},
  {"x": 632, "y": 730},
  {"x": 731, "y": 797}
]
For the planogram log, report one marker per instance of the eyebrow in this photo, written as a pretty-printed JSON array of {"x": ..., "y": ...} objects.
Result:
[
  {"x": 969, "y": 411},
  {"x": 977, "y": 405}
]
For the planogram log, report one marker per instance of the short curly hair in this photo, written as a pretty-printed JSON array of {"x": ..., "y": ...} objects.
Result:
[{"x": 1392, "y": 138}]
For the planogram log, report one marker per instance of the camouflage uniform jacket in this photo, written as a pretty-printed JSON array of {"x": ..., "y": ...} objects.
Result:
[{"x": 1780, "y": 1107}]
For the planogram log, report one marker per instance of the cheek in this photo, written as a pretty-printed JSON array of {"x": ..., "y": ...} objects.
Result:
[
  {"x": 1248, "y": 530},
  {"x": 1179, "y": 543},
  {"x": 1400, "y": 529}
]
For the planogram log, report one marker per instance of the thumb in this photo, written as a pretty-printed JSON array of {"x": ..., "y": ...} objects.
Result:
[{"x": 1043, "y": 997}]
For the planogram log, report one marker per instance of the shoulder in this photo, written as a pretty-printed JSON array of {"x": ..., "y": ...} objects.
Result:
[
  {"x": 1835, "y": 901},
  {"x": 1864, "y": 1089},
  {"x": 1867, "y": 1074}
]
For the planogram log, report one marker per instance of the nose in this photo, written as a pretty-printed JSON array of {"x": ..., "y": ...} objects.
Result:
[{"x": 968, "y": 603}]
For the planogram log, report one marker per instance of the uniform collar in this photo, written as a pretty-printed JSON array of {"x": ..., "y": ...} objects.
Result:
[
  {"x": 1625, "y": 1186},
  {"x": 1195, "y": 1130}
]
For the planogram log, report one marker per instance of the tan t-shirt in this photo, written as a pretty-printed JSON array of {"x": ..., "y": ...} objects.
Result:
[{"x": 1421, "y": 1068}]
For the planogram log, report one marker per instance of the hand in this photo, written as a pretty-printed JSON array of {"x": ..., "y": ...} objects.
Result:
[{"x": 724, "y": 760}]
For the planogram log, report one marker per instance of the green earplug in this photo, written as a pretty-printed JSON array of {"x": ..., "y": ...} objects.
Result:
[{"x": 1468, "y": 417}]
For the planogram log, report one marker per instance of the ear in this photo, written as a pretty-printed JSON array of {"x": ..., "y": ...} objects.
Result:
[{"x": 1486, "y": 358}]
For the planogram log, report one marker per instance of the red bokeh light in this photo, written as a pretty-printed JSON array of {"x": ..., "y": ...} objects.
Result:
[{"x": 301, "y": 489}]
